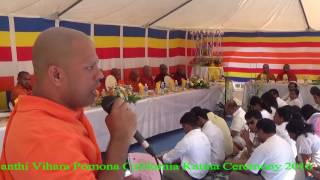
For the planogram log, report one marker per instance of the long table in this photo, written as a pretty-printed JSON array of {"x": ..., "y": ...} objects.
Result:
[
  {"x": 251, "y": 89},
  {"x": 155, "y": 115}
]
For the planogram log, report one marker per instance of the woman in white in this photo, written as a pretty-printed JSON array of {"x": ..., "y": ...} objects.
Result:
[
  {"x": 308, "y": 144},
  {"x": 311, "y": 116},
  {"x": 256, "y": 104}
]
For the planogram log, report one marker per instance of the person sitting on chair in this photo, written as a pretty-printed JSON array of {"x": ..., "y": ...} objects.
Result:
[
  {"x": 23, "y": 86},
  {"x": 163, "y": 73},
  {"x": 266, "y": 74},
  {"x": 180, "y": 74},
  {"x": 147, "y": 77},
  {"x": 134, "y": 80},
  {"x": 286, "y": 74}
]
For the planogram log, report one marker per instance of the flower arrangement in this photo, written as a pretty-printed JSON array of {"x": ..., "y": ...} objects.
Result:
[
  {"x": 198, "y": 83},
  {"x": 124, "y": 93}
]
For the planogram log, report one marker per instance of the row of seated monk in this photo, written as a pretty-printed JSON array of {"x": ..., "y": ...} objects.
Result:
[
  {"x": 286, "y": 74},
  {"x": 24, "y": 85},
  {"x": 146, "y": 78}
]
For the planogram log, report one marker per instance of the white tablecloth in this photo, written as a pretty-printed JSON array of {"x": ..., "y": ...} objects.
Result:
[
  {"x": 154, "y": 115},
  {"x": 250, "y": 90}
]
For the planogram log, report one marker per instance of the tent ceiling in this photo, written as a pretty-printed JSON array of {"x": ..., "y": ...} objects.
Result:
[{"x": 229, "y": 15}]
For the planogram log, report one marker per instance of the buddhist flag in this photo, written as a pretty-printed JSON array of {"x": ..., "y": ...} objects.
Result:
[
  {"x": 27, "y": 30},
  {"x": 5, "y": 50},
  {"x": 177, "y": 43},
  {"x": 157, "y": 43},
  {"x": 191, "y": 46},
  {"x": 107, "y": 41},
  {"x": 245, "y": 53},
  {"x": 133, "y": 42},
  {"x": 83, "y": 27}
]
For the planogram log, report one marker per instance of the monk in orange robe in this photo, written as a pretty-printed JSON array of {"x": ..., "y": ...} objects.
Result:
[
  {"x": 50, "y": 126},
  {"x": 23, "y": 86},
  {"x": 147, "y": 79},
  {"x": 134, "y": 80}
]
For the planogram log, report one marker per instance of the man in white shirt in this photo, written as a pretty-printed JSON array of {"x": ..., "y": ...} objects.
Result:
[
  {"x": 192, "y": 150},
  {"x": 272, "y": 156},
  {"x": 238, "y": 122},
  {"x": 280, "y": 101},
  {"x": 315, "y": 92},
  {"x": 294, "y": 98},
  {"x": 213, "y": 133}
]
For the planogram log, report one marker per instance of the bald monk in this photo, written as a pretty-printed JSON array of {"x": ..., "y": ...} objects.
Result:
[
  {"x": 147, "y": 77},
  {"x": 23, "y": 86},
  {"x": 134, "y": 80},
  {"x": 50, "y": 126}
]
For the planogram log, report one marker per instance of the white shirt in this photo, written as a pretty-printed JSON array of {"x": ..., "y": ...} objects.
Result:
[
  {"x": 309, "y": 145},
  {"x": 215, "y": 137},
  {"x": 281, "y": 102},
  {"x": 221, "y": 123},
  {"x": 193, "y": 149},
  {"x": 282, "y": 132},
  {"x": 274, "y": 151},
  {"x": 295, "y": 102},
  {"x": 238, "y": 120},
  {"x": 266, "y": 114}
]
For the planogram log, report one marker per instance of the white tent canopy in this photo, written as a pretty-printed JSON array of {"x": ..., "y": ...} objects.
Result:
[{"x": 228, "y": 15}]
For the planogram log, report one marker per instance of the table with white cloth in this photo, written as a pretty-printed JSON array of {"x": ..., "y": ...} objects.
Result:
[
  {"x": 251, "y": 89},
  {"x": 155, "y": 115}
]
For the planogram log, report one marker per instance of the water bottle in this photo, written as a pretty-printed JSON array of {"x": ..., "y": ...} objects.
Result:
[
  {"x": 162, "y": 86},
  {"x": 145, "y": 89}
]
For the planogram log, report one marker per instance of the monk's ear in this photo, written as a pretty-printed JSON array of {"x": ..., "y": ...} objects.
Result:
[{"x": 55, "y": 74}]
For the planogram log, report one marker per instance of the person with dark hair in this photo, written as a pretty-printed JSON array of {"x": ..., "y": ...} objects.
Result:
[
  {"x": 256, "y": 104},
  {"x": 23, "y": 86},
  {"x": 273, "y": 150},
  {"x": 193, "y": 148},
  {"x": 280, "y": 101},
  {"x": 269, "y": 102},
  {"x": 252, "y": 118},
  {"x": 162, "y": 74},
  {"x": 311, "y": 116},
  {"x": 294, "y": 99},
  {"x": 180, "y": 74},
  {"x": 315, "y": 92},
  {"x": 308, "y": 144},
  {"x": 134, "y": 80},
  {"x": 281, "y": 118},
  {"x": 221, "y": 123},
  {"x": 266, "y": 74},
  {"x": 213, "y": 133},
  {"x": 291, "y": 86},
  {"x": 286, "y": 74}
]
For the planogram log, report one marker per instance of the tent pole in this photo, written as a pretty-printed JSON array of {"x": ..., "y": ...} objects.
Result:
[
  {"x": 304, "y": 15},
  {"x": 69, "y": 7},
  {"x": 167, "y": 14}
]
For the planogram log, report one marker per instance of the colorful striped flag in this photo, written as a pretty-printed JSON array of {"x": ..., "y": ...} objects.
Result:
[
  {"x": 245, "y": 53},
  {"x": 27, "y": 31},
  {"x": 157, "y": 43},
  {"x": 177, "y": 43},
  {"x": 107, "y": 41},
  {"x": 133, "y": 42},
  {"x": 83, "y": 27},
  {"x": 191, "y": 46},
  {"x": 5, "y": 50}
]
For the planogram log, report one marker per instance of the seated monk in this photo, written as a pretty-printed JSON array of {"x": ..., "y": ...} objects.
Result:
[
  {"x": 102, "y": 85},
  {"x": 180, "y": 74},
  {"x": 134, "y": 80},
  {"x": 147, "y": 77},
  {"x": 116, "y": 72},
  {"x": 23, "y": 86},
  {"x": 286, "y": 74},
  {"x": 163, "y": 73},
  {"x": 266, "y": 75}
]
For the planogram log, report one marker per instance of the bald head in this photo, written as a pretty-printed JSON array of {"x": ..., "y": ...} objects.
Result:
[{"x": 55, "y": 46}]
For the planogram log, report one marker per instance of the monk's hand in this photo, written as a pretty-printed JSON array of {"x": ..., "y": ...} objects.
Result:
[{"x": 121, "y": 122}]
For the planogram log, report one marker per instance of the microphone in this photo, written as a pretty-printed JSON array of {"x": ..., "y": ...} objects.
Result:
[{"x": 106, "y": 104}]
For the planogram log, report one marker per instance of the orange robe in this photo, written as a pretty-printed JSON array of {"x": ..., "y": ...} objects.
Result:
[
  {"x": 148, "y": 81},
  {"x": 19, "y": 90},
  {"x": 40, "y": 130}
]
